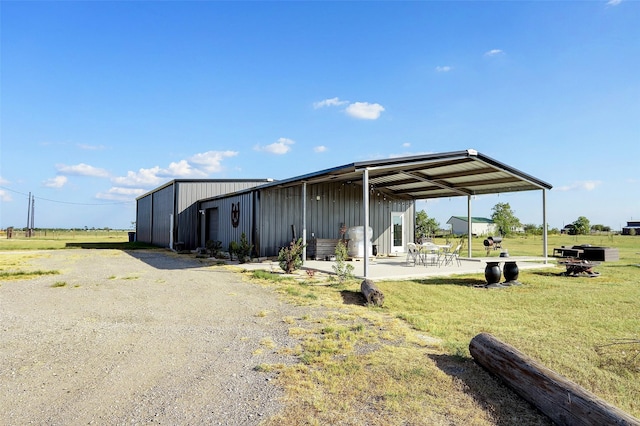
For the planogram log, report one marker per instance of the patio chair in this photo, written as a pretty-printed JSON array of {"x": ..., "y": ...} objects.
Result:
[
  {"x": 430, "y": 254},
  {"x": 453, "y": 256},
  {"x": 413, "y": 254}
]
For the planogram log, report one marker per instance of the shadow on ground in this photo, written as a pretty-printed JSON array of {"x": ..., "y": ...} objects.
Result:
[
  {"x": 506, "y": 406},
  {"x": 112, "y": 246},
  {"x": 353, "y": 298},
  {"x": 465, "y": 282}
]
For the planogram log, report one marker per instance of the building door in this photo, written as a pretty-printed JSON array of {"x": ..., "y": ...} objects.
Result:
[
  {"x": 397, "y": 232},
  {"x": 212, "y": 225}
]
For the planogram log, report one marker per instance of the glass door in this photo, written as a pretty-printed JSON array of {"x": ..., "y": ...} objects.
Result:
[{"x": 397, "y": 232}]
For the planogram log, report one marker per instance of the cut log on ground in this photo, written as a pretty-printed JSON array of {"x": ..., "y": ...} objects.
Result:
[
  {"x": 564, "y": 402},
  {"x": 373, "y": 295}
]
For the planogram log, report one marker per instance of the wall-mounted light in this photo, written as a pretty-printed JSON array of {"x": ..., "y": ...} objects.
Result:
[{"x": 317, "y": 198}]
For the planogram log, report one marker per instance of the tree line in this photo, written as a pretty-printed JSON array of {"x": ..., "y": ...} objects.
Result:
[{"x": 507, "y": 223}]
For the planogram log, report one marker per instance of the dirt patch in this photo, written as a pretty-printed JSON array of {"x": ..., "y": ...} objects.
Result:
[{"x": 138, "y": 337}]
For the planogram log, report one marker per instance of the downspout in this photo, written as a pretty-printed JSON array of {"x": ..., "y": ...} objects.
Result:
[
  {"x": 304, "y": 221},
  {"x": 365, "y": 200},
  {"x": 174, "y": 218}
]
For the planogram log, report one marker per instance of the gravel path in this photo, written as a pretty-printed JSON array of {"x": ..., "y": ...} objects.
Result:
[{"x": 138, "y": 337}]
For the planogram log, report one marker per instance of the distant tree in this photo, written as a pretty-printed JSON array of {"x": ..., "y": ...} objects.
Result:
[
  {"x": 425, "y": 225},
  {"x": 532, "y": 229},
  {"x": 600, "y": 228},
  {"x": 582, "y": 226},
  {"x": 505, "y": 219}
]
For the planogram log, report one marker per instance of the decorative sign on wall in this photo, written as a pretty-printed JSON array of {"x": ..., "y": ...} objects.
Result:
[{"x": 235, "y": 214}]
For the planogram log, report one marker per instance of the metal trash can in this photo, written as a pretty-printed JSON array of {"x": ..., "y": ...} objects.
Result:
[{"x": 132, "y": 237}]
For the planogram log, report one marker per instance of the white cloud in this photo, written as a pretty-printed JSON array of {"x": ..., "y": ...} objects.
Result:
[
  {"x": 329, "y": 102},
  {"x": 614, "y": 2},
  {"x": 88, "y": 147},
  {"x": 56, "y": 182},
  {"x": 120, "y": 194},
  {"x": 494, "y": 52},
  {"x": 281, "y": 147},
  {"x": 146, "y": 178},
  {"x": 587, "y": 185},
  {"x": 210, "y": 161},
  {"x": 5, "y": 196},
  {"x": 320, "y": 148},
  {"x": 197, "y": 166},
  {"x": 406, "y": 145},
  {"x": 364, "y": 110},
  {"x": 445, "y": 68},
  {"x": 181, "y": 169},
  {"x": 81, "y": 170}
]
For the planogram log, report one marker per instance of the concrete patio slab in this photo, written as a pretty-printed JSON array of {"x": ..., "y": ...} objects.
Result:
[{"x": 397, "y": 268}]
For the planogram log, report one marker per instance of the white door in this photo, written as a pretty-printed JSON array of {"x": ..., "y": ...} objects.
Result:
[{"x": 397, "y": 232}]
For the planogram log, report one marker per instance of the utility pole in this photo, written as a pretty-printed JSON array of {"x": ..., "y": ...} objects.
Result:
[
  {"x": 28, "y": 233},
  {"x": 33, "y": 214}
]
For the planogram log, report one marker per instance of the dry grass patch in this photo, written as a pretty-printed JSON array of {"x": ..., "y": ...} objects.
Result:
[{"x": 409, "y": 363}]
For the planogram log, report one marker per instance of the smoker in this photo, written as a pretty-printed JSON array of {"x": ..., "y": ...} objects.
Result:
[{"x": 492, "y": 242}]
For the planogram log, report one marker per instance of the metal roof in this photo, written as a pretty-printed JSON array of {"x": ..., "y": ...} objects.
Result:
[{"x": 450, "y": 174}]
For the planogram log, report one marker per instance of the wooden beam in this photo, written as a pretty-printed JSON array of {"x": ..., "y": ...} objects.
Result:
[{"x": 563, "y": 401}]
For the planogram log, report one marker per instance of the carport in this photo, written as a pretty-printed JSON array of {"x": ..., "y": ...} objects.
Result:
[{"x": 422, "y": 177}]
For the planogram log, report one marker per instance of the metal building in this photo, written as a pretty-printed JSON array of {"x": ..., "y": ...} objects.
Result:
[
  {"x": 169, "y": 215},
  {"x": 274, "y": 214},
  {"x": 379, "y": 195}
]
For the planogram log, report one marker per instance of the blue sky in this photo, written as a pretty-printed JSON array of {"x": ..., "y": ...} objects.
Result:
[{"x": 104, "y": 101}]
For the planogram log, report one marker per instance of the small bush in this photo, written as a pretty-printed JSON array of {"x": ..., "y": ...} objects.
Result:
[
  {"x": 343, "y": 270},
  {"x": 242, "y": 250},
  {"x": 214, "y": 248},
  {"x": 290, "y": 258}
]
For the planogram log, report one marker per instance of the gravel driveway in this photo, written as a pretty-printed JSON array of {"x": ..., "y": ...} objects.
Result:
[{"x": 137, "y": 337}]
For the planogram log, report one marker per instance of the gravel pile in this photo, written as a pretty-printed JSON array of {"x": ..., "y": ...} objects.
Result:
[{"x": 138, "y": 337}]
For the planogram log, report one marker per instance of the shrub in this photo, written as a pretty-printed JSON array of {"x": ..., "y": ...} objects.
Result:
[
  {"x": 242, "y": 249},
  {"x": 343, "y": 270},
  {"x": 290, "y": 257},
  {"x": 213, "y": 248}
]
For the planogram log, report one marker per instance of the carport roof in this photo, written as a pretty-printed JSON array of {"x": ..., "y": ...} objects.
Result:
[{"x": 450, "y": 174}]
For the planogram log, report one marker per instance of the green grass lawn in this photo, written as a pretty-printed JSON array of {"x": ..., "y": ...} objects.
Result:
[
  {"x": 587, "y": 329},
  {"x": 61, "y": 239}
]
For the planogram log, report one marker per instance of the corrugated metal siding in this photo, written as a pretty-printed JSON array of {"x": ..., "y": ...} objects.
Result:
[
  {"x": 328, "y": 207},
  {"x": 161, "y": 216},
  {"x": 188, "y": 194},
  {"x": 144, "y": 224},
  {"x": 226, "y": 231}
]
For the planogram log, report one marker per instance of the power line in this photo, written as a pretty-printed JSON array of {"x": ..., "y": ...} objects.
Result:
[{"x": 68, "y": 202}]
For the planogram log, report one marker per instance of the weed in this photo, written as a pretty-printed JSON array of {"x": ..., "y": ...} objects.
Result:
[
  {"x": 269, "y": 276},
  {"x": 58, "y": 284},
  {"x": 7, "y": 275}
]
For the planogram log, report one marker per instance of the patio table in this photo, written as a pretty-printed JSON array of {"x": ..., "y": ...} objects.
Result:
[{"x": 435, "y": 250}]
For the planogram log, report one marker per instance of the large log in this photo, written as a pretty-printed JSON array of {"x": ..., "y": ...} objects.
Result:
[
  {"x": 563, "y": 401},
  {"x": 373, "y": 295}
]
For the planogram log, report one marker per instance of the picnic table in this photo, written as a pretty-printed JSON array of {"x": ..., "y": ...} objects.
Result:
[{"x": 579, "y": 268}]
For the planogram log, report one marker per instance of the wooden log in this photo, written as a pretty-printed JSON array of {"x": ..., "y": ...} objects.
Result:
[
  {"x": 372, "y": 293},
  {"x": 563, "y": 401}
]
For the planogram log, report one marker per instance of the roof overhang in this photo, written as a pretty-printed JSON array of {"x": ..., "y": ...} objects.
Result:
[{"x": 451, "y": 174}]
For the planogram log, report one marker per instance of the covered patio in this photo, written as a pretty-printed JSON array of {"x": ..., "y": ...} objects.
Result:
[{"x": 452, "y": 174}]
